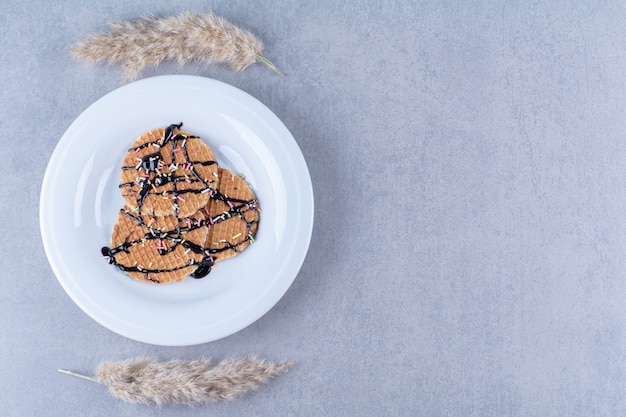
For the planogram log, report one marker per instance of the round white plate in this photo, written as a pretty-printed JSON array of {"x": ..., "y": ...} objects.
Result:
[{"x": 80, "y": 200}]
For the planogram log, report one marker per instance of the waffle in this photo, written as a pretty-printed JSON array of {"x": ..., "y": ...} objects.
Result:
[
  {"x": 182, "y": 214},
  {"x": 157, "y": 249},
  {"x": 233, "y": 217},
  {"x": 168, "y": 172}
]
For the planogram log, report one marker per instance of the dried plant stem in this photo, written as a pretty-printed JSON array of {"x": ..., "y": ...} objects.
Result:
[
  {"x": 184, "y": 38},
  {"x": 77, "y": 375},
  {"x": 265, "y": 61},
  {"x": 147, "y": 381}
]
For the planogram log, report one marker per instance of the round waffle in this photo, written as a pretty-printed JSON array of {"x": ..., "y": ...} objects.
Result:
[
  {"x": 168, "y": 172},
  {"x": 157, "y": 249},
  {"x": 233, "y": 217}
]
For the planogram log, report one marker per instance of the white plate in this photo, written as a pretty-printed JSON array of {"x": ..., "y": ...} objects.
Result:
[{"x": 80, "y": 199}]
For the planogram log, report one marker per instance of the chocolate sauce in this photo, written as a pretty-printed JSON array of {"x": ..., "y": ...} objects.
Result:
[
  {"x": 169, "y": 131},
  {"x": 151, "y": 161},
  {"x": 204, "y": 267}
]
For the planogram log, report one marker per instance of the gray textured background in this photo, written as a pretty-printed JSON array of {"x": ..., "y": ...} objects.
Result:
[{"x": 468, "y": 163}]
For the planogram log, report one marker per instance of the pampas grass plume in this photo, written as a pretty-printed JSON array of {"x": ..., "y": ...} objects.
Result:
[
  {"x": 148, "y": 381},
  {"x": 184, "y": 38}
]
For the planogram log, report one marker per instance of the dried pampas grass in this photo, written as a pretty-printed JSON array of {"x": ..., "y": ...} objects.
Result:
[
  {"x": 148, "y": 381},
  {"x": 184, "y": 38}
]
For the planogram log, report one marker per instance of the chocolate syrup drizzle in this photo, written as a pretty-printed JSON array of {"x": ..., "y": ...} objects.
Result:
[{"x": 236, "y": 207}]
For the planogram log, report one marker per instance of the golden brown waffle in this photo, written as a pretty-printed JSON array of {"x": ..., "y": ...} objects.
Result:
[
  {"x": 157, "y": 249},
  {"x": 233, "y": 217},
  {"x": 167, "y": 172},
  {"x": 183, "y": 213}
]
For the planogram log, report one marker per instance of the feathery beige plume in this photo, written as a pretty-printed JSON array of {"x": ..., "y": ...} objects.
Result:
[
  {"x": 184, "y": 38},
  {"x": 148, "y": 381}
]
